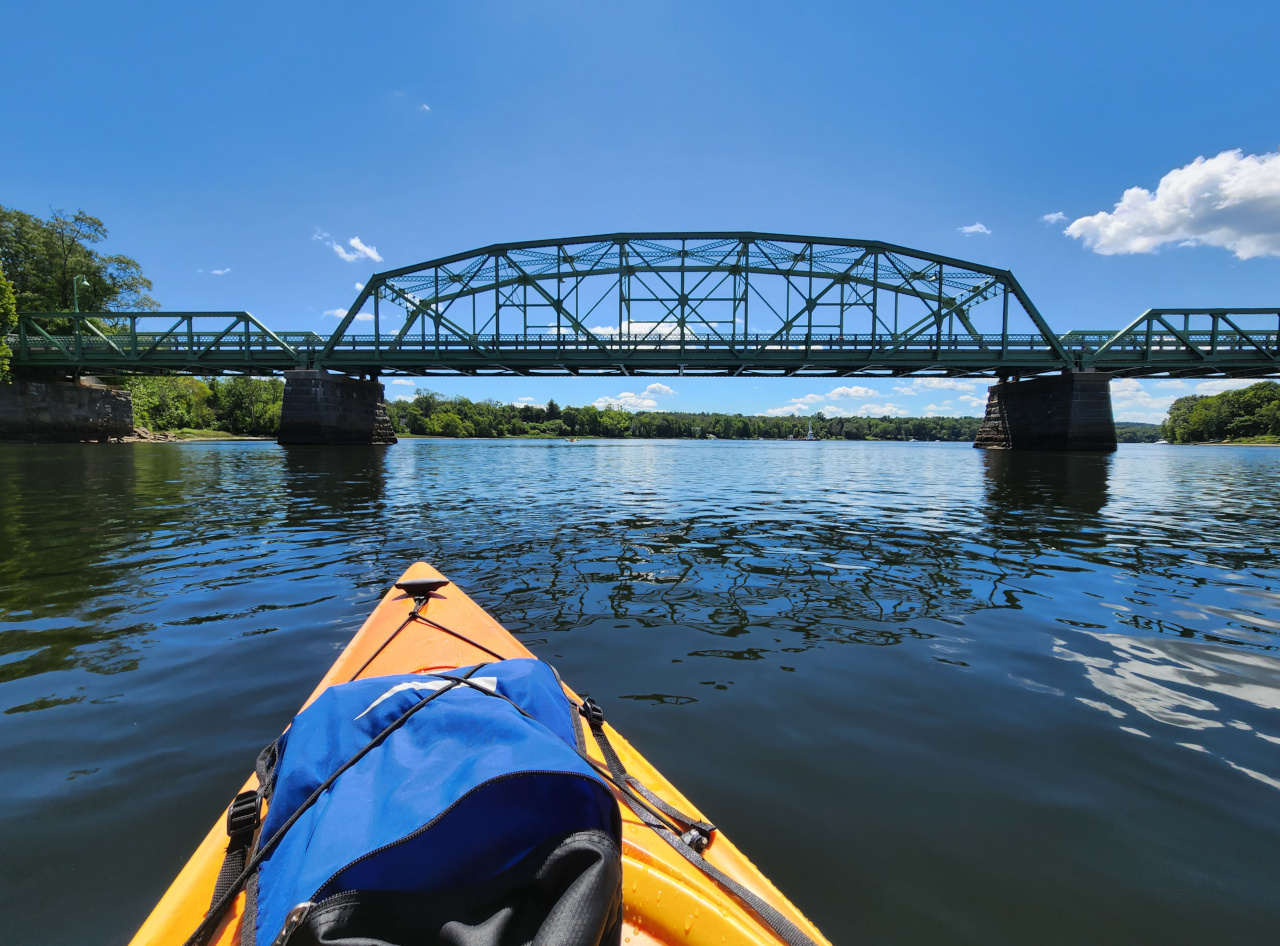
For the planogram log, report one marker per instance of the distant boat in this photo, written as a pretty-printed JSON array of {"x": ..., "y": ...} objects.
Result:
[
  {"x": 810, "y": 435},
  {"x": 712, "y": 437}
]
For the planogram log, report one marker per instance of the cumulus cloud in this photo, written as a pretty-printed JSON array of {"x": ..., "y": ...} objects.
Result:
[
  {"x": 1231, "y": 201},
  {"x": 1172, "y": 383},
  {"x": 1056, "y": 217},
  {"x": 972, "y": 401},
  {"x": 799, "y": 405},
  {"x": 359, "y": 286},
  {"x": 881, "y": 410},
  {"x": 918, "y": 385},
  {"x": 1131, "y": 401},
  {"x": 359, "y": 250},
  {"x": 403, "y": 381},
  {"x": 220, "y": 272},
  {"x": 974, "y": 228},
  {"x": 336, "y": 313},
  {"x": 364, "y": 317},
  {"x": 630, "y": 401},
  {"x": 1218, "y": 385}
]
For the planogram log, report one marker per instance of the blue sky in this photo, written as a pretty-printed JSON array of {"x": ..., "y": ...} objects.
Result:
[{"x": 218, "y": 141}]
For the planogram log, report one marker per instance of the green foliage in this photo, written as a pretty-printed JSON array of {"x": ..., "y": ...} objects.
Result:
[
  {"x": 1131, "y": 432},
  {"x": 1252, "y": 412},
  {"x": 237, "y": 405},
  {"x": 161, "y": 403},
  {"x": 434, "y": 414},
  {"x": 43, "y": 257},
  {"x": 247, "y": 405},
  {"x": 8, "y": 319}
]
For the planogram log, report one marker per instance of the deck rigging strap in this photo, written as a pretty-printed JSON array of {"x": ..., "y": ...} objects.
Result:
[{"x": 691, "y": 842}]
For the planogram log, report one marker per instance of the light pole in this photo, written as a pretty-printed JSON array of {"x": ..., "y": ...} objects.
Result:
[{"x": 76, "y": 283}]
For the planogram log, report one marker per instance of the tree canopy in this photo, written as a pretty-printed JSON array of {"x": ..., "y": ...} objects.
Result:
[
  {"x": 1249, "y": 413},
  {"x": 42, "y": 258},
  {"x": 8, "y": 319}
]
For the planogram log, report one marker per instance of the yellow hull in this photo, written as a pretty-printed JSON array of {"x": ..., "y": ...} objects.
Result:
[{"x": 665, "y": 899}]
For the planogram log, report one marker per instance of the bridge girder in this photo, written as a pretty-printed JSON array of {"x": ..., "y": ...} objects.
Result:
[{"x": 732, "y": 304}]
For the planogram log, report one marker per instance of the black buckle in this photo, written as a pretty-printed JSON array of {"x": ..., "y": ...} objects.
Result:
[
  {"x": 696, "y": 838},
  {"x": 243, "y": 815},
  {"x": 592, "y": 712}
]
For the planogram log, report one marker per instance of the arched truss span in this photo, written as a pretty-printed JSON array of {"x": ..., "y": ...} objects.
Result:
[{"x": 696, "y": 303}]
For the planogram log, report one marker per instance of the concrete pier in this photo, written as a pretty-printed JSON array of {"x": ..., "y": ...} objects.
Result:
[
  {"x": 1070, "y": 411},
  {"x": 331, "y": 409},
  {"x": 48, "y": 409}
]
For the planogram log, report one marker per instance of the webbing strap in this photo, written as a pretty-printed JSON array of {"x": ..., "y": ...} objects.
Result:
[
  {"x": 787, "y": 931},
  {"x": 242, "y": 821}
]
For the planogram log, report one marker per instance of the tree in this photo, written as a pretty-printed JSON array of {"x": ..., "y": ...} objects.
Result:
[
  {"x": 8, "y": 319},
  {"x": 170, "y": 403},
  {"x": 44, "y": 257},
  {"x": 553, "y": 409},
  {"x": 247, "y": 405}
]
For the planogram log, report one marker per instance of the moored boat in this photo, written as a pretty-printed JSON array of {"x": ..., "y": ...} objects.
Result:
[{"x": 677, "y": 886}]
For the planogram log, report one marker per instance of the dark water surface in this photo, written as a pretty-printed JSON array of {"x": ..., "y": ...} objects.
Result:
[{"x": 939, "y": 695}]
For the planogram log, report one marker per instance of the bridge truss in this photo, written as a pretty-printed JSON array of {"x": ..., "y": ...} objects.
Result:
[{"x": 676, "y": 303}]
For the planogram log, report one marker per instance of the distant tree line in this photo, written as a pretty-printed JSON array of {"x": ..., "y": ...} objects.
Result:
[
  {"x": 436, "y": 415},
  {"x": 1249, "y": 413}
]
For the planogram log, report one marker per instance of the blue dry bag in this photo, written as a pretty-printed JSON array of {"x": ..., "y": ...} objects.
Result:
[{"x": 467, "y": 817}]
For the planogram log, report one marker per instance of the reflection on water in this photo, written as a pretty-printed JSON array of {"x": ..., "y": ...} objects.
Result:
[{"x": 1038, "y": 694}]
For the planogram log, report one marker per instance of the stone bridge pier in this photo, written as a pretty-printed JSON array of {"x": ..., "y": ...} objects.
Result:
[
  {"x": 1070, "y": 411},
  {"x": 52, "y": 407},
  {"x": 332, "y": 410}
]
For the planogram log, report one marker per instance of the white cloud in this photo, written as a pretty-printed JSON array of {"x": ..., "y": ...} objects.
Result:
[
  {"x": 359, "y": 286},
  {"x": 630, "y": 401},
  {"x": 336, "y": 313},
  {"x": 974, "y": 228},
  {"x": 1218, "y": 385},
  {"x": 403, "y": 381},
  {"x": 800, "y": 404},
  {"x": 947, "y": 384},
  {"x": 627, "y": 400},
  {"x": 1141, "y": 417},
  {"x": 424, "y": 108},
  {"x": 919, "y": 385},
  {"x": 359, "y": 249},
  {"x": 881, "y": 410},
  {"x": 320, "y": 234},
  {"x": 364, "y": 317},
  {"x": 1056, "y": 217},
  {"x": 525, "y": 400},
  {"x": 220, "y": 272},
  {"x": 1173, "y": 383},
  {"x": 602, "y": 329},
  {"x": 855, "y": 391},
  {"x": 1231, "y": 201},
  {"x": 973, "y": 401},
  {"x": 1132, "y": 401}
]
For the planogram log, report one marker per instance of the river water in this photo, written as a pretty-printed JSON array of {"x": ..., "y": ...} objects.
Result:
[{"x": 939, "y": 695}]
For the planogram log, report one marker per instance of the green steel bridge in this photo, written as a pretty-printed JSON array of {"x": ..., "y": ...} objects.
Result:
[{"x": 730, "y": 304}]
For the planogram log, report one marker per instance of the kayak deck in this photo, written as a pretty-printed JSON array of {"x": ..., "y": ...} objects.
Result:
[{"x": 666, "y": 900}]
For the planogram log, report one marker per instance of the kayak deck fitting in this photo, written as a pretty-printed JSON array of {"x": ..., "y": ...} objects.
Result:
[{"x": 666, "y": 898}]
